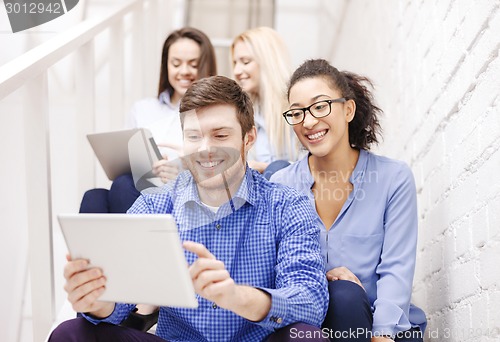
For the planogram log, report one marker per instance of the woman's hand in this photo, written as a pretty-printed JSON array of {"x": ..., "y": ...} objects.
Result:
[
  {"x": 166, "y": 170},
  {"x": 343, "y": 273}
]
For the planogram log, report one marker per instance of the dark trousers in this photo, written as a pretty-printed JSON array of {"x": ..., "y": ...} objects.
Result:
[
  {"x": 349, "y": 311},
  {"x": 117, "y": 200},
  {"x": 79, "y": 329}
]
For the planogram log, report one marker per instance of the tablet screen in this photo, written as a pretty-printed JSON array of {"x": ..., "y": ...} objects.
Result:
[{"x": 141, "y": 256}]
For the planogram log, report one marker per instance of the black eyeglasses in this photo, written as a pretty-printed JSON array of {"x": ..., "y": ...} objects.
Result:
[{"x": 318, "y": 109}]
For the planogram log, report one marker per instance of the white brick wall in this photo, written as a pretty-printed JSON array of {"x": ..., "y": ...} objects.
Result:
[{"x": 436, "y": 67}]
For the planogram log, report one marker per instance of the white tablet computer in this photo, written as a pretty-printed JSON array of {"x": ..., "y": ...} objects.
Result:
[{"x": 140, "y": 255}]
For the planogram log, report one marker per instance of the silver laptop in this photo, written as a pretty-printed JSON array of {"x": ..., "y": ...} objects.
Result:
[
  {"x": 111, "y": 149},
  {"x": 127, "y": 151}
]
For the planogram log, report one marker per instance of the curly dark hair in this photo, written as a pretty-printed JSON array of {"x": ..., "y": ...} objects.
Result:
[{"x": 365, "y": 127}]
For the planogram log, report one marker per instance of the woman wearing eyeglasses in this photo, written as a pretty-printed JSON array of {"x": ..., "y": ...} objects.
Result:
[{"x": 367, "y": 204}]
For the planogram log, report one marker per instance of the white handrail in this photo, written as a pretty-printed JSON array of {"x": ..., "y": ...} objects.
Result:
[
  {"x": 29, "y": 65},
  {"x": 30, "y": 72}
]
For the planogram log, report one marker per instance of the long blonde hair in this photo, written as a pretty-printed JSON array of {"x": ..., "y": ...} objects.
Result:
[{"x": 271, "y": 54}]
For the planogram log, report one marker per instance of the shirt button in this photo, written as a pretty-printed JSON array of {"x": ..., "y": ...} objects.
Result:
[
  {"x": 214, "y": 306},
  {"x": 218, "y": 226},
  {"x": 279, "y": 320}
]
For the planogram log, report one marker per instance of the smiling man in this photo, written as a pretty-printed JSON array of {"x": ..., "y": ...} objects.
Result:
[
  {"x": 253, "y": 246},
  {"x": 216, "y": 150}
]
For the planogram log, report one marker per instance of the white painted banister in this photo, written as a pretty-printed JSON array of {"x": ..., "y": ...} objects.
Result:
[
  {"x": 85, "y": 111},
  {"x": 116, "y": 74},
  {"x": 15, "y": 73},
  {"x": 39, "y": 211},
  {"x": 31, "y": 72}
]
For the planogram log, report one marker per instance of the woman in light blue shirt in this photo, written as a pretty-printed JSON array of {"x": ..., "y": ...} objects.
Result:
[{"x": 367, "y": 204}]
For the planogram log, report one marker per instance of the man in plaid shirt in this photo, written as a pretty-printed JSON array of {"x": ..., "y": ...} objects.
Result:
[{"x": 253, "y": 246}]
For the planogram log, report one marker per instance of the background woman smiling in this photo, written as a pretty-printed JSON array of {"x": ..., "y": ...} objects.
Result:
[{"x": 261, "y": 67}]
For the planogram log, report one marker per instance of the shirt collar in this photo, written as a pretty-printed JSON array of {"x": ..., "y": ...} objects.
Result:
[
  {"x": 259, "y": 120},
  {"x": 355, "y": 178},
  {"x": 247, "y": 191},
  {"x": 360, "y": 169},
  {"x": 188, "y": 192},
  {"x": 305, "y": 173},
  {"x": 164, "y": 98}
]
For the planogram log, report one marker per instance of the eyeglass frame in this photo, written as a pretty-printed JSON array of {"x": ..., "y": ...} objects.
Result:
[{"x": 308, "y": 108}]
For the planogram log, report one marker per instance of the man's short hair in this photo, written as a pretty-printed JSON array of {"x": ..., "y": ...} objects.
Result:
[{"x": 219, "y": 90}]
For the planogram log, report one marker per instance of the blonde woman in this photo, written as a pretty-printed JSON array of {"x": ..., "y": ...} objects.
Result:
[{"x": 261, "y": 67}]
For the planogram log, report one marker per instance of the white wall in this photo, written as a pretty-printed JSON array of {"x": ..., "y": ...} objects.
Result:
[
  {"x": 436, "y": 66},
  {"x": 15, "y": 286},
  {"x": 309, "y": 28},
  {"x": 13, "y": 227}
]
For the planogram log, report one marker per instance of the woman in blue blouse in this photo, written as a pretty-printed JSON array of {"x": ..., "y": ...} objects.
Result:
[{"x": 367, "y": 204}]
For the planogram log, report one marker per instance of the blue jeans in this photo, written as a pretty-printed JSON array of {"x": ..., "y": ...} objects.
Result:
[
  {"x": 117, "y": 200},
  {"x": 349, "y": 311}
]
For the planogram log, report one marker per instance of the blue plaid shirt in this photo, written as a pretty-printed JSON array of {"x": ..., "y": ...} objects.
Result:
[{"x": 267, "y": 235}]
